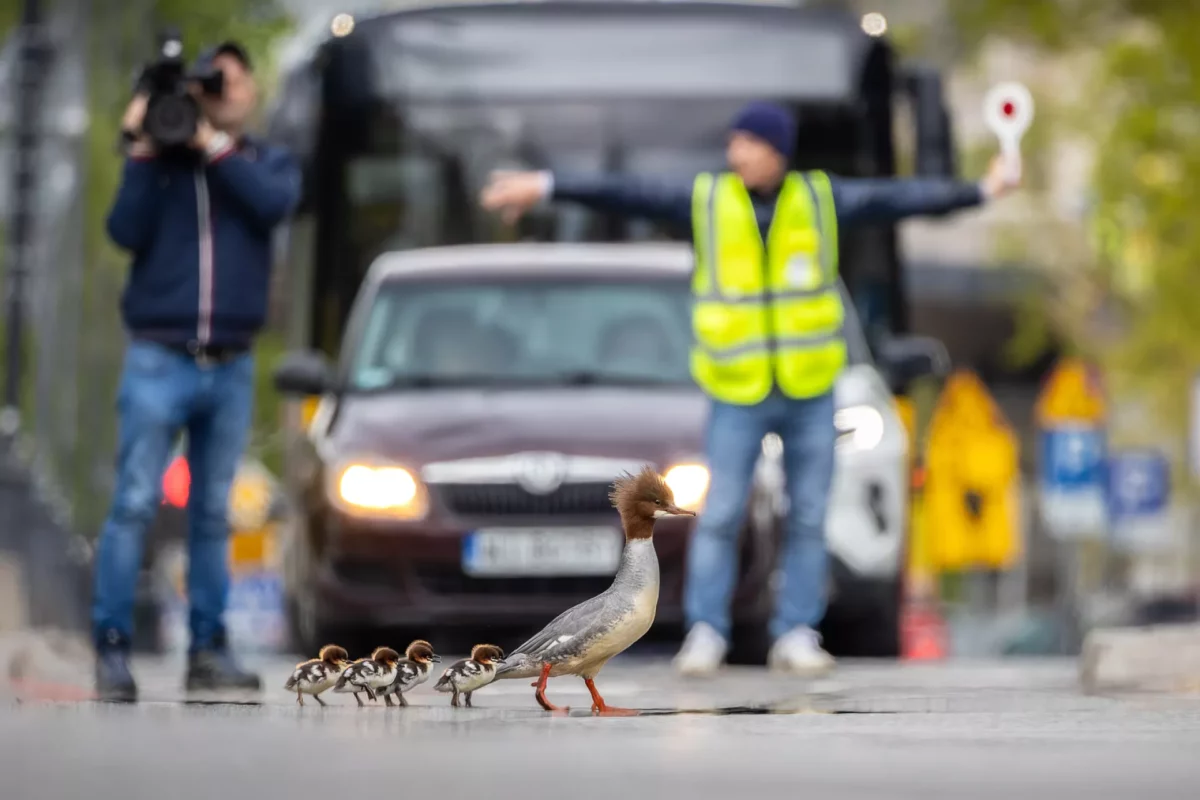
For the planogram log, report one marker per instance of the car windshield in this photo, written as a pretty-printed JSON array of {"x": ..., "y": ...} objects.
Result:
[
  {"x": 525, "y": 332},
  {"x": 532, "y": 332}
]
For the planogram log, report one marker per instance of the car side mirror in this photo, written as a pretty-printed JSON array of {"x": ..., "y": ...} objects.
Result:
[
  {"x": 306, "y": 373},
  {"x": 907, "y": 358}
]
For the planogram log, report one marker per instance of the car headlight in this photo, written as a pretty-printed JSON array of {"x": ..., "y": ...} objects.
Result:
[
  {"x": 378, "y": 490},
  {"x": 859, "y": 427},
  {"x": 689, "y": 484}
]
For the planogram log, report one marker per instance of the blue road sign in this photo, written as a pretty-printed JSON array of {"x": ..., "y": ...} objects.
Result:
[
  {"x": 1072, "y": 458},
  {"x": 1139, "y": 484},
  {"x": 1071, "y": 492}
]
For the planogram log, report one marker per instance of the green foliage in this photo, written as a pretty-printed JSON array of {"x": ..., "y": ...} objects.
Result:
[
  {"x": 1144, "y": 115},
  {"x": 10, "y": 13}
]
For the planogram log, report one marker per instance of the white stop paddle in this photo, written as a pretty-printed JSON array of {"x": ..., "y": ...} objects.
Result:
[{"x": 1008, "y": 110}]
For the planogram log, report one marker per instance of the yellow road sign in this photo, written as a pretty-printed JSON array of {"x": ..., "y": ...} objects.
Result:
[
  {"x": 1072, "y": 393},
  {"x": 970, "y": 508}
]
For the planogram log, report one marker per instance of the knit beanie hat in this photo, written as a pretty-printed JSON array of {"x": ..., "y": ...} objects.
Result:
[{"x": 770, "y": 122}]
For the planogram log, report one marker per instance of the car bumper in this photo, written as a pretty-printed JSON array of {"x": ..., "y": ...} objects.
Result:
[{"x": 396, "y": 575}]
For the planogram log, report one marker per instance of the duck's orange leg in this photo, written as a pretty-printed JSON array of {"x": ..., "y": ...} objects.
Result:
[
  {"x": 600, "y": 707},
  {"x": 540, "y": 695}
]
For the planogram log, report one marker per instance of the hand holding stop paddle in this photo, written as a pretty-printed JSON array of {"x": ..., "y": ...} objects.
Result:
[{"x": 1008, "y": 110}]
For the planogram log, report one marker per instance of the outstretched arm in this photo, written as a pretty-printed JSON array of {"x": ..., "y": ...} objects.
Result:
[
  {"x": 867, "y": 200},
  {"x": 514, "y": 193},
  {"x": 628, "y": 195}
]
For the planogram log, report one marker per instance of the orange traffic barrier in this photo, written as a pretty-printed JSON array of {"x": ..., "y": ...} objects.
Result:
[{"x": 923, "y": 634}]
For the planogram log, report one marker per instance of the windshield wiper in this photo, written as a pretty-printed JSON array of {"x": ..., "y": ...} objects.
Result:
[
  {"x": 600, "y": 378},
  {"x": 490, "y": 381},
  {"x": 434, "y": 381}
]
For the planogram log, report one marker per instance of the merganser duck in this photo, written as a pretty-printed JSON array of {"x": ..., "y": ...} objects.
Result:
[
  {"x": 471, "y": 673},
  {"x": 581, "y": 640},
  {"x": 318, "y": 674},
  {"x": 411, "y": 671},
  {"x": 357, "y": 678}
]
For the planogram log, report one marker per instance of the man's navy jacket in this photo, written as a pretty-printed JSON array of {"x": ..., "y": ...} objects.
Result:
[
  {"x": 200, "y": 235},
  {"x": 856, "y": 200}
]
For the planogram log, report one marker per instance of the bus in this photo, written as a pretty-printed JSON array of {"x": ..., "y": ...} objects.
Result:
[{"x": 400, "y": 117}]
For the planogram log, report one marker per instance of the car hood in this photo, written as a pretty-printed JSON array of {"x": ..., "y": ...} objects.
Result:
[{"x": 419, "y": 427}]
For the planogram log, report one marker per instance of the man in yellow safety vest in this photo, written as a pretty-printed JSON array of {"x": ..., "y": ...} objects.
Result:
[{"x": 769, "y": 346}]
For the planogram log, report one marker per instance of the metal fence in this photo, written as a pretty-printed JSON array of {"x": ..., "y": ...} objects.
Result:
[{"x": 39, "y": 471}]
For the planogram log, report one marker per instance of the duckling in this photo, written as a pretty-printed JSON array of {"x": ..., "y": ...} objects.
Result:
[
  {"x": 318, "y": 674},
  {"x": 471, "y": 673},
  {"x": 386, "y": 662},
  {"x": 581, "y": 640},
  {"x": 357, "y": 678},
  {"x": 411, "y": 671}
]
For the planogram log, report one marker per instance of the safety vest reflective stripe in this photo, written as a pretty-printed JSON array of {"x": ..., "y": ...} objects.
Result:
[
  {"x": 757, "y": 300},
  {"x": 766, "y": 313},
  {"x": 790, "y": 343},
  {"x": 826, "y": 219}
]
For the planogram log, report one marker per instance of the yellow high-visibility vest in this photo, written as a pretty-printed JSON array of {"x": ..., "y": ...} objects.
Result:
[{"x": 766, "y": 315}]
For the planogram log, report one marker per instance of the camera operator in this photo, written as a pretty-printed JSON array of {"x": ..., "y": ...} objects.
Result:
[{"x": 199, "y": 231}]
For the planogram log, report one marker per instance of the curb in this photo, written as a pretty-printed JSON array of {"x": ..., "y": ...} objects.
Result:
[
  {"x": 1159, "y": 658},
  {"x": 46, "y": 665}
]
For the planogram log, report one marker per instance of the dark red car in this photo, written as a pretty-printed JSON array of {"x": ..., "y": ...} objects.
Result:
[{"x": 458, "y": 466}]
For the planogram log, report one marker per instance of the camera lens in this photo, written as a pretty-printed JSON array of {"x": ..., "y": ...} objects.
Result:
[{"x": 171, "y": 120}]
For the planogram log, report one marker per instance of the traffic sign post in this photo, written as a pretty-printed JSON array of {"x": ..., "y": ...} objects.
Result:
[
  {"x": 1071, "y": 417},
  {"x": 1008, "y": 111}
]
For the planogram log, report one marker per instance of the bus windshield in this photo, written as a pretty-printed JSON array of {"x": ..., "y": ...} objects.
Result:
[
  {"x": 600, "y": 50},
  {"x": 415, "y": 182}
]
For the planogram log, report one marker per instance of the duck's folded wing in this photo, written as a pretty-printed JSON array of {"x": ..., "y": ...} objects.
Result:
[
  {"x": 406, "y": 673},
  {"x": 558, "y": 635}
]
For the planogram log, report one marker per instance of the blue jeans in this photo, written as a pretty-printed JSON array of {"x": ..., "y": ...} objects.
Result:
[
  {"x": 734, "y": 444},
  {"x": 163, "y": 392}
]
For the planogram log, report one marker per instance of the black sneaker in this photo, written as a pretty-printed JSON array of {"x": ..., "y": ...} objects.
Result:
[
  {"x": 215, "y": 670},
  {"x": 114, "y": 681}
]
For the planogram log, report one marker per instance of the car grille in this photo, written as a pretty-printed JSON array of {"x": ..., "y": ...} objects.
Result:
[{"x": 487, "y": 500}]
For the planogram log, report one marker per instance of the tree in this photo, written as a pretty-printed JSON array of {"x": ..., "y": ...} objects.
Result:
[{"x": 1127, "y": 293}]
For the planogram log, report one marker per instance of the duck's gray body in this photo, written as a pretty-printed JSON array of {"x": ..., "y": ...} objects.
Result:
[{"x": 581, "y": 640}]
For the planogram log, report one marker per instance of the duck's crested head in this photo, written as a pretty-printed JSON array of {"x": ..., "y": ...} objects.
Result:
[
  {"x": 487, "y": 653},
  {"x": 645, "y": 496},
  {"x": 385, "y": 655},
  {"x": 333, "y": 654},
  {"x": 421, "y": 651}
]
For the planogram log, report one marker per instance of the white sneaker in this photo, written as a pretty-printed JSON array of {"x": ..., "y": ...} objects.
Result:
[
  {"x": 703, "y": 651},
  {"x": 799, "y": 652}
]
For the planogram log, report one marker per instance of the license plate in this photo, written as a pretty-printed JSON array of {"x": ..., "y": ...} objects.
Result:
[{"x": 510, "y": 552}]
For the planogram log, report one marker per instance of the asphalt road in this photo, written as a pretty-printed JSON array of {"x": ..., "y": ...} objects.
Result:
[{"x": 873, "y": 731}]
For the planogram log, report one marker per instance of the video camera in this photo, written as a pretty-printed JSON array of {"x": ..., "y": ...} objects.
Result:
[{"x": 172, "y": 112}]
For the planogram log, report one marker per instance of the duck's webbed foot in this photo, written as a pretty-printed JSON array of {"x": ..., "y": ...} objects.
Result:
[{"x": 604, "y": 709}]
